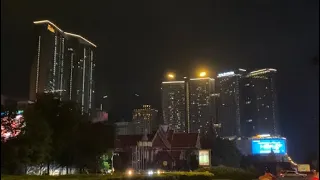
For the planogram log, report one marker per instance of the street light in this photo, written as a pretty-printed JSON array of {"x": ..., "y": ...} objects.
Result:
[
  {"x": 202, "y": 74},
  {"x": 171, "y": 76}
]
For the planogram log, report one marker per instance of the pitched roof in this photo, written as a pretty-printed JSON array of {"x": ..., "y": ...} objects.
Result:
[
  {"x": 184, "y": 140},
  {"x": 130, "y": 140},
  {"x": 166, "y": 139},
  {"x": 169, "y": 136}
]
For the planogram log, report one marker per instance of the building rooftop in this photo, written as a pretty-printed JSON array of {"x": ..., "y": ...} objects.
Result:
[{"x": 66, "y": 33}]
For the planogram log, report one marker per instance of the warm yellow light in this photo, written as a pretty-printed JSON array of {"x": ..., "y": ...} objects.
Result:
[
  {"x": 50, "y": 28},
  {"x": 202, "y": 74},
  {"x": 171, "y": 76},
  {"x": 130, "y": 172}
]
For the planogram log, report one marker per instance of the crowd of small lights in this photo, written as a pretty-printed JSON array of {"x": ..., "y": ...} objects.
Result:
[{"x": 11, "y": 126}]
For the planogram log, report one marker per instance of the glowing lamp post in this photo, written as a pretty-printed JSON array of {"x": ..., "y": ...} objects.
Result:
[
  {"x": 171, "y": 76},
  {"x": 202, "y": 74}
]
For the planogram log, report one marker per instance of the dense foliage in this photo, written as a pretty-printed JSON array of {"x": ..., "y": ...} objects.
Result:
[
  {"x": 223, "y": 151},
  {"x": 222, "y": 172},
  {"x": 56, "y": 132}
]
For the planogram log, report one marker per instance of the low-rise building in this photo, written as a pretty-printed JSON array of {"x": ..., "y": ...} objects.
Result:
[{"x": 163, "y": 149}]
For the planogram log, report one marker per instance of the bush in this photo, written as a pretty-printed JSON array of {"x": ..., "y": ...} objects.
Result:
[
  {"x": 222, "y": 172},
  {"x": 165, "y": 176}
]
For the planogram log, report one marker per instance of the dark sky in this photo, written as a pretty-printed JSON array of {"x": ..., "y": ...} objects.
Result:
[{"x": 138, "y": 41}]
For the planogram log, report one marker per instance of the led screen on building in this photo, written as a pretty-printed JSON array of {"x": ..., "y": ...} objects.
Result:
[
  {"x": 265, "y": 146},
  {"x": 204, "y": 158}
]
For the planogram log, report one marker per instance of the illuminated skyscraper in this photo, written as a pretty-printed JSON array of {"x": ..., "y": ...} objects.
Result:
[
  {"x": 260, "y": 103},
  {"x": 174, "y": 105},
  {"x": 81, "y": 61},
  {"x": 47, "y": 74},
  {"x": 63, "y": 64},
  {"x": 229, "y": 85},
  {"x": 143, "y": 119},
  {"x": 201, "y": 104}
]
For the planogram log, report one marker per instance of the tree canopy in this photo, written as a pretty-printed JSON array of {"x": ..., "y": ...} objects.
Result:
[
  {"x": 223, "y": 151},
  {"x": 56, "y": 132}
]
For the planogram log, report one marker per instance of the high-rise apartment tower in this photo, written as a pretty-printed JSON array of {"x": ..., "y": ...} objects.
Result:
[{"x": 64, "y": 65}]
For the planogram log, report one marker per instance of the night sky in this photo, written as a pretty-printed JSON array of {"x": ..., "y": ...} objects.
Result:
[{"x": 138, "y": 41}]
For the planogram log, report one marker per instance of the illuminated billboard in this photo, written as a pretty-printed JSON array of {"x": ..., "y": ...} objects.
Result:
[
  {"x": 204, "y": 158},
  {"x": 266, "y": 146}
]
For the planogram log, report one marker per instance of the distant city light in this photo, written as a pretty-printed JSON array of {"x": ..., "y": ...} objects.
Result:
[
  {"x": 263, "y": 135},
  {"x": 261, "y": 71},
  {"x": 231, "y": 73}
]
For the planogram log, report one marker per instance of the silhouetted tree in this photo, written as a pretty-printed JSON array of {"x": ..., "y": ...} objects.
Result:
[
  {"x": 223, "y": 151},
  {"x": 56, "y": 132}
]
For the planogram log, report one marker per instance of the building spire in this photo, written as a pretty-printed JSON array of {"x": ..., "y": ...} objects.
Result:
[{"x": 145, "y": 135}]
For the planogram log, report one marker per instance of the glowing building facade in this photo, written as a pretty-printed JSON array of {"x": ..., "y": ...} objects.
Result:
[
  {"x": 260, "y": 103},
  {"x": 143, "y": 119},
  {"x": 174, "y": 105},
  {"x": 229, "y": 85},
  {"x": 201, "y": 104},
  {"x": 81, "y": 58},
  {"x": 64, "y": 65}
]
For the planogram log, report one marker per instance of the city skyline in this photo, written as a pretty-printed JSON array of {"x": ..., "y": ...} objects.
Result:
[
  {"x": 139, "y": 42},
  {"x": 241, "y": 104}
]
